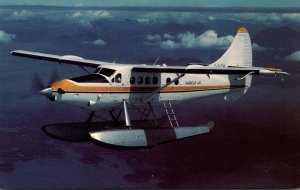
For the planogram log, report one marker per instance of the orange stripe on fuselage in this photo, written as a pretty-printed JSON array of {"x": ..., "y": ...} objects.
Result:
[{"x": 70, "y": 86}]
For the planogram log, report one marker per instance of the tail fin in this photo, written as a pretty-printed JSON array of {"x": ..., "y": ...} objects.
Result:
[{"x": 239, "y": 54}]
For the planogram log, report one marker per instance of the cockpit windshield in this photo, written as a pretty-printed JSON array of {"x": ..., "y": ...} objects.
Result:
[
  {"x": 92, "y": 78},
  {"x": 105, "y": 71}
]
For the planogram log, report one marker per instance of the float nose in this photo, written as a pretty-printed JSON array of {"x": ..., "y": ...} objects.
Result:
[{"x": 46, "y": 92}]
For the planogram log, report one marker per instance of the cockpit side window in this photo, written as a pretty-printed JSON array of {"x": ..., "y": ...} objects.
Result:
[
  {"x": 106, "y": 72},
  {"x": 92, "y": 78},
  {"x": 97, "y": 70},
  {"x": 168, "y": 80},
  {"x": 118, "y": 78}
]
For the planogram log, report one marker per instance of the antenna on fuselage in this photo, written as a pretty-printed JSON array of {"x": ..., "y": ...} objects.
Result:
[
  {"x": 114, "y": 61},
  {"x": 156, "y": 60}
]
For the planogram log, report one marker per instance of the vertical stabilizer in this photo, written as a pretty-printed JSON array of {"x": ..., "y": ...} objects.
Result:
[{"x": 239, "y": 54}]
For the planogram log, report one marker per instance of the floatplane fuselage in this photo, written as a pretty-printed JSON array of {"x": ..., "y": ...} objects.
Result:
[
  {"x": 113, "y": 86},
  {"x": 118, "y": 83}
]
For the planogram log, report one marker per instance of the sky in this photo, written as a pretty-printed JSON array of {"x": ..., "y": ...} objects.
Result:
[
  {"x": 255, "y": 142},
  {"x": 165, "y": 3}
]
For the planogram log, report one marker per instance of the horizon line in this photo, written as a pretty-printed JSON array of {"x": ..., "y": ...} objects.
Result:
[{"x": 160, "y": 8}]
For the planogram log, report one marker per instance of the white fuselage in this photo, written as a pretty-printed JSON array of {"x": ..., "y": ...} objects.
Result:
[{"x": 138, "y": 88}]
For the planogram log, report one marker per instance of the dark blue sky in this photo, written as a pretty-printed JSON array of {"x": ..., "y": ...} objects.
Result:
[{"x": 255, "y": 143}]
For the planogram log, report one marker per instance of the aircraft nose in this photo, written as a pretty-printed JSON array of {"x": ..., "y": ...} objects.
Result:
[{"x": 46, "y": 92}]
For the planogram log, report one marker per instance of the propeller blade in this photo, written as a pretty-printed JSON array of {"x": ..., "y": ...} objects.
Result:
[
  {"x": 54, "y": 77},
  {"x": 36, "y": 86},
  {"x": 37, "y": 83}
]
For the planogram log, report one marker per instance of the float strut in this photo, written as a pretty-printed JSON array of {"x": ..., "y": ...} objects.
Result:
[
  {"x": 91, "y": 116},
  {"x": 114, "y": 116},
  {"x": 127, "y": 118}
]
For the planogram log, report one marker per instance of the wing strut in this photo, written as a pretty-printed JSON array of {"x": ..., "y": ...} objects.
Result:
[{"x": 82, "y": 67}]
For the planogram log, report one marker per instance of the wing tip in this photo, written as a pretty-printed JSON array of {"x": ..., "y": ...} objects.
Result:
[{"x": 13, "y": 52}]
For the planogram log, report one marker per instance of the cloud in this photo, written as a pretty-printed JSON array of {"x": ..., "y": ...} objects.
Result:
[
  {"x": 271, "y": 18},
  {"x": 22, "y": 15},
  {"x": 98, "y": 42},
  {"x": 153, "y": 37},
  {"x": 169, "y": 44},
  {"x": 211, "y": 18},
  {"x": 175, "y": 17},
  {"x": 195, "y": 17},
  {"x": 168, "y": 36},
  {"x": 295, "y": 57},
  {"x": 91, "y": 15},
  {"x": 5, "y": 37},
  {"x": 257, "y": 47},
  {"x": 208, "y": 39},
  {"x": 83, "y": 17},
  {"x": 86, "y": 17}
]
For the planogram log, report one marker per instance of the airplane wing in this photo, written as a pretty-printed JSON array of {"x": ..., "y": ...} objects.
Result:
[
  {"x": 209, "y": 70},
  {"x": 191, "y": 69},
  {"x": 68, "y": 59},
  {"x": 195, "y": 69}
]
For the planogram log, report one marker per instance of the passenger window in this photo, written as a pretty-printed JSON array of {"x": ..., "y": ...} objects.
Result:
[
  {"x": 140, "y": 80},
  {"x": 168, "y": 80},
  {"x": 132, "y": 80},
  {"x": 155, "y": 80},
  {"x": 176, "y": 82},
  {"x": 118, "y": 78},
  {"x": 147, "y": 80}
]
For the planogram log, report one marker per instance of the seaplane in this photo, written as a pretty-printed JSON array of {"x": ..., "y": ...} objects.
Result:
[{"x": 117, "y": 88}]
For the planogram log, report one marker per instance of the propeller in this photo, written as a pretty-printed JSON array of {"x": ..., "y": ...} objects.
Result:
[
  {"x": 38, "y": 86},
  {"x": 37, "y": 83},
  {"x": 54, "y": 77}
]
